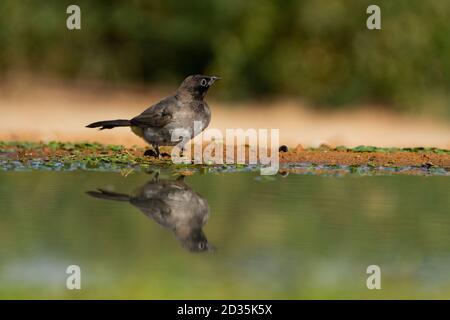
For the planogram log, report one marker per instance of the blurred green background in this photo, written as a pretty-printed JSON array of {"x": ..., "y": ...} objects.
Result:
[{"x": 319, "y": 51}]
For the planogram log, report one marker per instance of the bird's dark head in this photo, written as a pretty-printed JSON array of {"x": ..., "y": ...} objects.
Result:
[
  {"x": 197, "y": 242},
  {"x": 196, "y": 86}
]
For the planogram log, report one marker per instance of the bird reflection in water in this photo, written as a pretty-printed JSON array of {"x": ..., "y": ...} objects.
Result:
[{"x": 172, "y": 204}]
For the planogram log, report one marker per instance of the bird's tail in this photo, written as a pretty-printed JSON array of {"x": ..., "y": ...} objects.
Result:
[
  {"x": 109, "y": 124},
  {"x": 108, "y": 195}
]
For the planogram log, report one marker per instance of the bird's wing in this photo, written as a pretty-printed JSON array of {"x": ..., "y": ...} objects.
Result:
[
  {"x": 157, "y": 115},
  {"x": 155, "y": 209}
]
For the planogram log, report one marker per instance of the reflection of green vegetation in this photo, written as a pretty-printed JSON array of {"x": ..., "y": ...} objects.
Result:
[
  {"x": 295, "y": 237},
  {"x": 320, "y": 50}
]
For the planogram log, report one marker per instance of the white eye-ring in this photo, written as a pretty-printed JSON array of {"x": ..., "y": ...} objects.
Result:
[{"x": 204, "y": 83}]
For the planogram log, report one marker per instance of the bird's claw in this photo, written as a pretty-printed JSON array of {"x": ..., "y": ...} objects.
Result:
[{"x": 150, "y": 153}]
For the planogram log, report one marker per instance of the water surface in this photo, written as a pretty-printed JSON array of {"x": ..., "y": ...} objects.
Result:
[{"x": 292, "y": 237}]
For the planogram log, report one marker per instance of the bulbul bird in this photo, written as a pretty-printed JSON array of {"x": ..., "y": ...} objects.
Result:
[
  {"x": 172, "y": 204},
  {"x": 156, "y": 124}
]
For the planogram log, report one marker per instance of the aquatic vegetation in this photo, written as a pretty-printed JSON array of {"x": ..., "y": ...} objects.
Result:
[{"x": 361, "y": 160}]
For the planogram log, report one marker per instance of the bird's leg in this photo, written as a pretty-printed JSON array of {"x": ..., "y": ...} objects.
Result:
[
  {"x": 155, "y": 175},
  {"x": 157, "y": 150},
  {"x": 151, "y": 153}
]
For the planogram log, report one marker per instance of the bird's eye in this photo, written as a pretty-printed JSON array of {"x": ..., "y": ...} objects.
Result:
[{"x": 204, "y": 83}]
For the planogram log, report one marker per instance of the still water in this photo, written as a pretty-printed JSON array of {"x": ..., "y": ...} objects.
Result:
[{"x": 232, "y": 235}]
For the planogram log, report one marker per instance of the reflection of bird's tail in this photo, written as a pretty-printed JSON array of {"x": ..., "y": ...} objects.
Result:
[
  {"x": 109, "y": 124},
  {"x": 108, "y": 195}
]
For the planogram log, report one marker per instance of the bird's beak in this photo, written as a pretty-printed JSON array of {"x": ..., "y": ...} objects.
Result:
[{"x": 213, "y": 79}]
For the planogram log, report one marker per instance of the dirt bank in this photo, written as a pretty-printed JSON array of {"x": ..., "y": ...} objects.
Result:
[{"x": 57, "y": 154}]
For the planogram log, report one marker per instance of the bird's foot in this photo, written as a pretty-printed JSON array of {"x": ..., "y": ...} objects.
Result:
[
  {"x": 283, "y": 148},
  {"x": 150, "y": 153}
]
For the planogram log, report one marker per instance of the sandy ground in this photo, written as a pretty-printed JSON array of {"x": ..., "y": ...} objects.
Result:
[{"x": 44, "y": 110}]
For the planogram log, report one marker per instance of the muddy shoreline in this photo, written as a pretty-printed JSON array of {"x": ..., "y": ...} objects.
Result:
[
  {"x": 371, "y": 156},
  {"x": 322, "y": 160}
]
